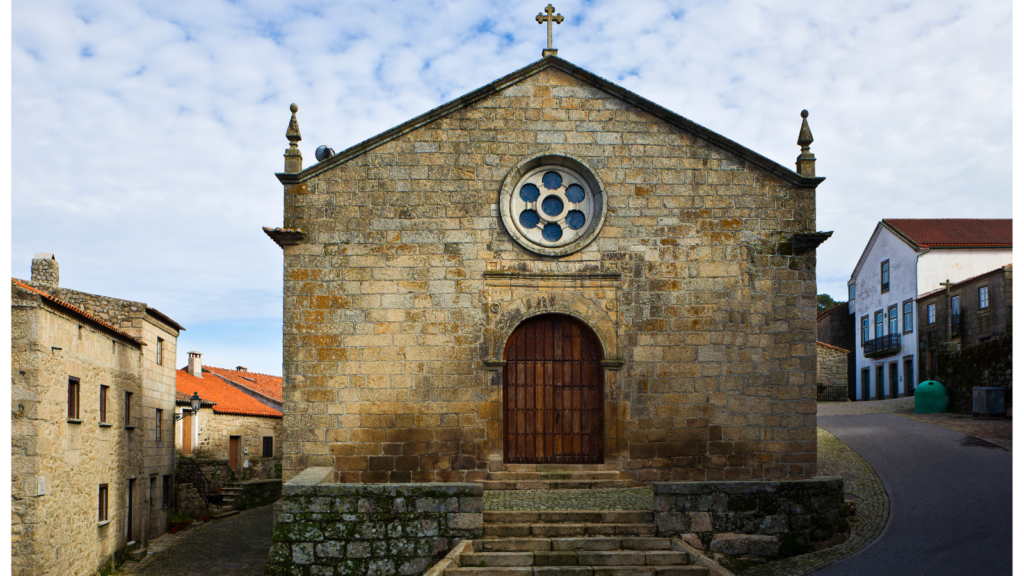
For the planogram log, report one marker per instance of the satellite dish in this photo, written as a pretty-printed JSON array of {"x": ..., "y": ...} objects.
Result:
[{"x": 323, "y": 153}]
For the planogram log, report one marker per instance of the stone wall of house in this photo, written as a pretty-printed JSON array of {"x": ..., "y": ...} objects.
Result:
[
  {"x": 215, "y": 430},
  {"x": 367, "y": 530},
  {"x": 977, "y": 325},
  {"x": 158, "y": 386},
  {"x": 768, "y": 519},
  {"x": 832, "y": 365},
  {"x": 58, "y": 464},
  {"x": 400, "y": 301}
]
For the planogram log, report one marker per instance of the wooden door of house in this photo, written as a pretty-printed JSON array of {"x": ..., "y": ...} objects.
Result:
[
  {"x": 233, "y": 443},
  {"x": 894, "y": 380},
  {"x": 186, "y": 434},
  {"x": 553, "y": 393}
]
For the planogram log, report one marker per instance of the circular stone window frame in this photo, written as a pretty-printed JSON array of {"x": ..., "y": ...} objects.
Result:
[{"x": 593, "y": 183}]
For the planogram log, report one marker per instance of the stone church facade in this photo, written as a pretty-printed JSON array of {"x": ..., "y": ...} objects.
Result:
[{"x": 550, "y": 270}]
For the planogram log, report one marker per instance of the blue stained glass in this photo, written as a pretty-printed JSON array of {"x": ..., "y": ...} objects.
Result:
[
  {"x": 529, "y": 219},
  {"x": 552, "y": 205},
  {"x": 575, "y": 220},
  {"x": 575, "y": 194},
  {"x": 529, "y": 193},
  {"x": 552, "y": 181},
  {"x": 552, "y": 232}
]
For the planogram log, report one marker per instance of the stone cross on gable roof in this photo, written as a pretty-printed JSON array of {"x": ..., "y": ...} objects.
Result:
[{"x": 549, "y": 17}]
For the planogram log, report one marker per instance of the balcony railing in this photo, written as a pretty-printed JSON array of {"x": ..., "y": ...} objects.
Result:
[{"x": 882, "y": 346}]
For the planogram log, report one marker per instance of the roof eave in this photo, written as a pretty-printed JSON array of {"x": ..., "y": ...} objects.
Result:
[{"x": 632, "y": 98}]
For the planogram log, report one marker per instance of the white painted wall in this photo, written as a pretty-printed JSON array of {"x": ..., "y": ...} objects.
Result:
[
  {"x": 903, "y": 286},
  {"x": 939, "y": 265}
]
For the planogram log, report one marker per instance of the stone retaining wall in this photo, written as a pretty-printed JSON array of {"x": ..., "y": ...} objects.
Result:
[
  {"x": 256, "y": 493},
  {"x": 765, "y": 519},
  {"x": 370, "y": 530}
]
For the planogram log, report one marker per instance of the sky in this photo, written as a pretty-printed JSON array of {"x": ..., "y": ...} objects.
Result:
[{"x": 145, "y": 135}]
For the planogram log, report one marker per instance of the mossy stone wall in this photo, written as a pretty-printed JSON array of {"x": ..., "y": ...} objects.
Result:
[
  {"x": 799, "y": 514},
  {"x": 371, "y": 529}
]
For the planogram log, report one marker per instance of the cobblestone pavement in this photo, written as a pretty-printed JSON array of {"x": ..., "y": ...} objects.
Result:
[
  {"x": 998, "y": 431},
  {"x": 593, "y": 499},
  {"x": 863, "y": 488},
  {"x": 235, "y": 546}
]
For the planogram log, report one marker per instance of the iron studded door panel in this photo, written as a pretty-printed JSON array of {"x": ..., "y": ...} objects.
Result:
[{"x": 553, "y": 393}]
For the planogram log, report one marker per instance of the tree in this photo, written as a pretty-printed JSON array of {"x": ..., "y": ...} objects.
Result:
[{"x": 826, "y": 302}]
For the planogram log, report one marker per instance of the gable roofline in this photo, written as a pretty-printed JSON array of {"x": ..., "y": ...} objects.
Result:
[
  {"x": 1006, "y": 268},
  {"x": 623, "y": 94},
  {"x": 52, "y": 300}
]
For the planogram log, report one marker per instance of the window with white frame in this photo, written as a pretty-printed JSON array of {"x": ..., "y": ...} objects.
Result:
[
  {"x": 983, "y": 297},
  {"x": 853, "y": 291},
  {"x": 879, "y": 324},
  {"x": 864, "y": 329},
  {"x": 931, "y": 313},
  {"x": 894, "y": 322},
  {"x": 908, "y": 317}
]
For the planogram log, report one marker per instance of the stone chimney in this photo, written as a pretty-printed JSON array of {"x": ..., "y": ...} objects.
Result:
[
  {"x": 45, "y": 271},
  {"x": 241, "y": 369},
  {"x": 195, "y": 364}
]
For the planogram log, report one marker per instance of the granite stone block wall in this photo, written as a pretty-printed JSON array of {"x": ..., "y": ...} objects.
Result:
[
  {"x": 832, "y": 364},
  {"x": 371, "y": 530},
  {"x": 794, "y": 515},
  {"x": 400, "y": 300}
]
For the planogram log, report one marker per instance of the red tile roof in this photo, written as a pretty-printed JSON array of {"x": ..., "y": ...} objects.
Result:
[
  {"x": 954, "y": 232},
  {"x": 820, "y": 343},
  {"x": 227, "y": 399},
  {"x": 269, "y": 386},
  {"x": 76, "y": 310}
]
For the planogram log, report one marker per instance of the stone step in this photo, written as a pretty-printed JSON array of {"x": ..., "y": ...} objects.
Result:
[
  {"x": 562, "y": 475},
  {"x": 573, "y": 558},
  {"x": 569, "y": 516},
  {"x": 495, "y": 530},
  {"x": 593, "y": 543},
  {"x": 580, "y": 571},
  {"x": 557, "y": 484}
]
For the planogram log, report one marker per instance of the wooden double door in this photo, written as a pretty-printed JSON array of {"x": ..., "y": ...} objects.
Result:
[{"x": 553, "y": 393}]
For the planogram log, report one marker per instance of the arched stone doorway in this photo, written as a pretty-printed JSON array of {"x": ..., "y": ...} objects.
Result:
[{"x": 553, "y": 393}]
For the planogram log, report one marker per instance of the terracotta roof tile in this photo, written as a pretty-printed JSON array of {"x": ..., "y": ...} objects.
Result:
[
  {"x": 954, "y": 232},
  {"x": 269, "y": 386},
  {"x": 820, "y": 343},
  {"x": 76, "y": 310},
  {"x": 226, "y": 398}
]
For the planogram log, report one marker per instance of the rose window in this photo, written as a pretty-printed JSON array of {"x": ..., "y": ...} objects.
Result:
[{"x": 552, "y": 206}]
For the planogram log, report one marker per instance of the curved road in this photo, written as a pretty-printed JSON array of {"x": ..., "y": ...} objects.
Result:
[{"x": 950, "y": 499}]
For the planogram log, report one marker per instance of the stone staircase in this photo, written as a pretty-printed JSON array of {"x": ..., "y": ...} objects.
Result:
[
  {"x": 231, "y": 491},
  {"x": 556, "y": 477},
  {"x": 572, "y": 543}
]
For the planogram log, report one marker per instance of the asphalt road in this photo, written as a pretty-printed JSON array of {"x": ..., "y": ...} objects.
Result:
[{"x": 949, "y": 495}]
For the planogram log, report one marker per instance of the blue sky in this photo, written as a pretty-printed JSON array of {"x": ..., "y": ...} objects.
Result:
[{"x": 145, "y": 135}]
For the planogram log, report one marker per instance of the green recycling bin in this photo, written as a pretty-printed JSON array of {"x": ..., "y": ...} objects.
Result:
[{"x": 930, "y": 397}]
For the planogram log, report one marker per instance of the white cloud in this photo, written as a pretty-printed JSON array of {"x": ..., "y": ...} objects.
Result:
[{"x": 146, "y": 135}]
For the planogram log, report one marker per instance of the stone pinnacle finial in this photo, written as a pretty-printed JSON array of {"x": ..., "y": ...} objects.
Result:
[
  {"x": 292, "y": 156},
  {"x": 550, "y": 17},
  {"x": 805, "y": 161}
]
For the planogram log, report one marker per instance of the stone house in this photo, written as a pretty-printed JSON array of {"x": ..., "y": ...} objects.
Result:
[
  {"x": 832, "y": 364},
  {"x": 91, "y": 438},
  {"x": 835, "y": 327},
  {"x": 904, "y": 259},
  {"x": 549, "y": 271},
  {"x": 970, "y": 312},
  {"x": 231, "y": 425}
]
